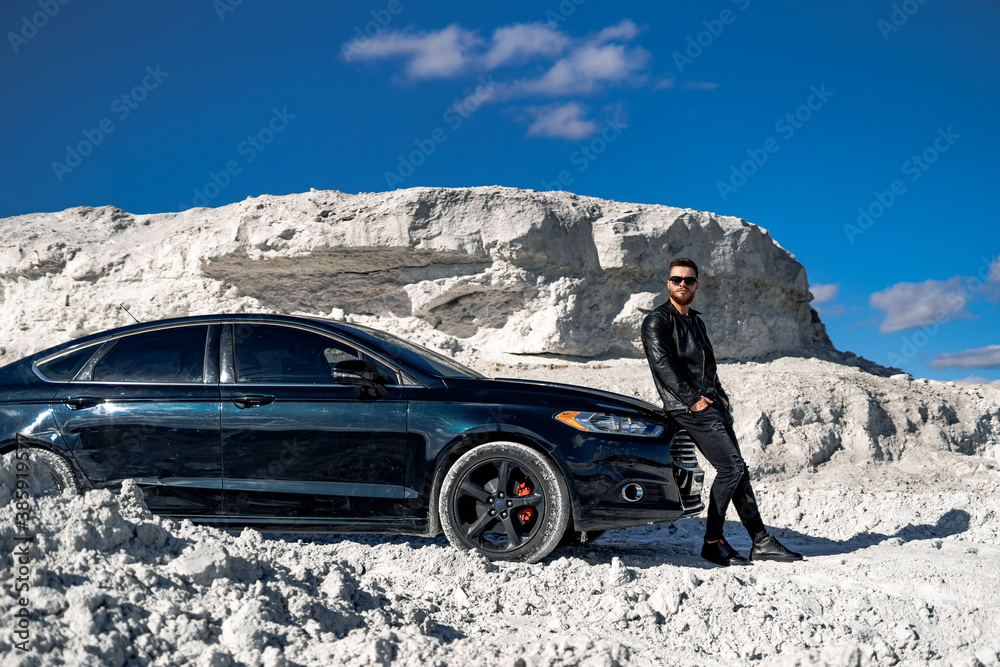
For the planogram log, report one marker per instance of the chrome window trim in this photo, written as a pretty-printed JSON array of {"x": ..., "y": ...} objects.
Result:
[
  {"x": 97, "y": 345},
  {"x": 87, "y": 373},
  {"x": 153, "y": 384},
  {"x": 292, "y": 384},
  {"x": 226, "y": 361},
  {"x": 210, "y": 483},
  {"x": 67, "y": 351}
]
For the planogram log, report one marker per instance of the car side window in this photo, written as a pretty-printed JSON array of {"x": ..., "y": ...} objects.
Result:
[
  {"x": 167, "y": 355},
  {"x": 271, "y": 354},
  {"x": 67, "y": 366}
]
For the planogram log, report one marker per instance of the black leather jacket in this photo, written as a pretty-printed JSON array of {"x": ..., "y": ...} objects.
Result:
[{"x": 681, "y": 358}]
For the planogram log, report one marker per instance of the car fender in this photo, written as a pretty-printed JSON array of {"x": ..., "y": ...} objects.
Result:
[{"x": 480, "y": 435}]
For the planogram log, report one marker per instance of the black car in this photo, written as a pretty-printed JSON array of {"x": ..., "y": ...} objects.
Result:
[{"x": 303, "y": 424}]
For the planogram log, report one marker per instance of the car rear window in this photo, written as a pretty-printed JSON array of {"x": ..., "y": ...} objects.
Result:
[
  {"x": 167, "y": 355},
  {"x": 67, "y": 366}
]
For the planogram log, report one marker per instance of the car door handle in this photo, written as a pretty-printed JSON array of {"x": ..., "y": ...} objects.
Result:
[
  {"x": 82, "y": 402},
  {"x": 252, "y": 400}
]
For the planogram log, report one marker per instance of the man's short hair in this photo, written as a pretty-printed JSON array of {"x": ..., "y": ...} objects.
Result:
[{"x": 685, "y": 262}]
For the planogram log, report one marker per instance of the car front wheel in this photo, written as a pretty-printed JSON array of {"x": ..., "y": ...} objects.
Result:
[{"x": 506, "y": 501}]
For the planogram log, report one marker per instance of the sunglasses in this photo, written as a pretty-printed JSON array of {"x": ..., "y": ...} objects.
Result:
[{"x": 677, "y": 280}]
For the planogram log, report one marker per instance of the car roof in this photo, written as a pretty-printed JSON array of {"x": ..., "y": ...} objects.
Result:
[{"x": 330, "y": 325}]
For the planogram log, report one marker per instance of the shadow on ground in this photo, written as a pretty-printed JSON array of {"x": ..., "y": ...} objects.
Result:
[{"x": 680, "y": 543}]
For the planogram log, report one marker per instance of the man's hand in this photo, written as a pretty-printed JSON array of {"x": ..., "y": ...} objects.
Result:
[{"x": 702, "y": 403}]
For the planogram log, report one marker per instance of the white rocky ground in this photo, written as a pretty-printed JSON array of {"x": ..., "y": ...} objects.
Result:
[
  {"x": 888, "y": 484},
  {"x": 901, "y": 529}
]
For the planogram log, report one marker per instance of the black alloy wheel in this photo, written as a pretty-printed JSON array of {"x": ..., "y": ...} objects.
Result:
[{"x": 506, "y": 501}]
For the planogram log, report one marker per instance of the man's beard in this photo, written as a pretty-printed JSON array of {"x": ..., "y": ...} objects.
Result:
[{"x": 683, "y": 299}]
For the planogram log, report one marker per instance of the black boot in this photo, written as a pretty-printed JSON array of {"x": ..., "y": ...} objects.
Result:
[
  {"x": 769, "y": 548},
  {"x": 721, "y": 553}
]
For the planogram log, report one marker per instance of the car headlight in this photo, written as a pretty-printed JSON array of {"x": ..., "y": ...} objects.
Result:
[{"x": 603, "y": 422}]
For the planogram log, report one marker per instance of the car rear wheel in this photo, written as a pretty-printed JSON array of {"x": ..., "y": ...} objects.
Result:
[
  {"x": 506, "y": 501},
  {"x": 46, "y": 473}
]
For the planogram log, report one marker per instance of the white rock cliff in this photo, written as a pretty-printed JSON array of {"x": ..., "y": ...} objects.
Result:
[{"x": 512, "y": 270}]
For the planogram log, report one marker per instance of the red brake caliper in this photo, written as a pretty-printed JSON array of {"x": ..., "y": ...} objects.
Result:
[{"x": 528, "y": 513}]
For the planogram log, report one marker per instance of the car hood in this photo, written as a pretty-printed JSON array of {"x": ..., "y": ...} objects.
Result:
[{"x": 559, "y": 394}]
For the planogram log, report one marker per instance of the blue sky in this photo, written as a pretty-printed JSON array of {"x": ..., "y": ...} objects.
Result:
[{"x": 862, "y": 134}]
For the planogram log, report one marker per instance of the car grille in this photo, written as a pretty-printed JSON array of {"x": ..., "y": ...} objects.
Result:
[{"x": 684, "y": 453}]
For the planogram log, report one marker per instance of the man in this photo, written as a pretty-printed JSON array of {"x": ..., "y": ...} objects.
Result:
[{"x": 684, "y": 372}]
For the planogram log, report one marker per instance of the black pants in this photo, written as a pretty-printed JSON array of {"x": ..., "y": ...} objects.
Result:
[{"x": 712, "y": 431}]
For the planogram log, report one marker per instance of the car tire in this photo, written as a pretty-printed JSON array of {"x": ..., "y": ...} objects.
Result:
[
  {"x": 506, "y": 501},
  {"x": 49, "y": 473}
]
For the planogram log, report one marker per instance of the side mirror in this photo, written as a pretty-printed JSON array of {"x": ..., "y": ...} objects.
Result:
[{"x": 360, "y": 373}]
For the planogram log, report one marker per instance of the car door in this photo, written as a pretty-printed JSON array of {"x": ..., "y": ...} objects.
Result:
[
  {"x": 146, "y": 407},
  {"x": 297, "y": 445}
]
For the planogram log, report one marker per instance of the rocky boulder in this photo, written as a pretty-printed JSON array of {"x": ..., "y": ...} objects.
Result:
[{"x": 486, "y": 268}]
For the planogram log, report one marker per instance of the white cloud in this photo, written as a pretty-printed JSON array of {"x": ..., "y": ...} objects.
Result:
[
  {"x": 571, "y": 66},
  {"x": 909, "y": 305},
  {"x": 983, "y": 357},
  {"x": 624, "y": 30},
  {"x": 833, "y": 310},
  {"x": 430, "y": 55},
  {"x": 584, "y": 70},
  {"x": 701, "y": 85},
  {"x": 562, "y": 120},
  {"x": 664, "y": 82},
  {"x": 974, "y": 379},
  {"x": 823, "y": 293},
  {"x": 544, "y": 63},
  {"x": 520, "y": 42}
]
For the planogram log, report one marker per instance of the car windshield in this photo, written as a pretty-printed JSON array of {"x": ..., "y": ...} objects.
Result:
[{"x": 418, "y": 356}]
